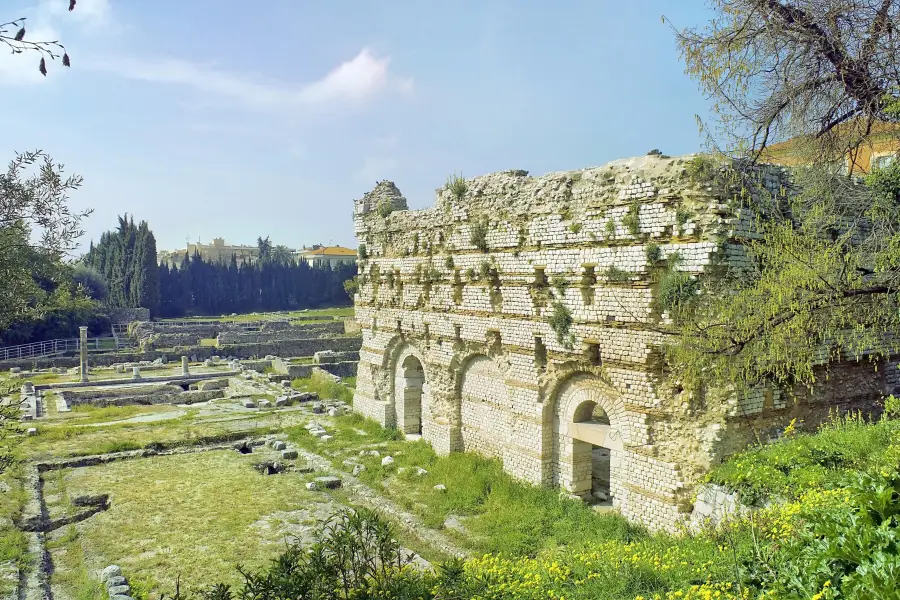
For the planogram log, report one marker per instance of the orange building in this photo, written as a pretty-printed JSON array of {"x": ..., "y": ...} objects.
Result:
[{"x": 880, "y": 149}]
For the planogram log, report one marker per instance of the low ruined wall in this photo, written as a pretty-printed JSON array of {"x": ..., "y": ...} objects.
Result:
[
  {"x": 243, "y": 351},
  {"x": 341, "y": 369},
  {"x": 171, "y": 340},
  {"x": 128, "y": 315},
  {"x": 280, "y": 335},
  {"x": 291, "y": 347}
]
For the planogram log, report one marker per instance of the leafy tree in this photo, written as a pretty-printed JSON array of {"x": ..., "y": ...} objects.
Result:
[
  {"x": 265, "y": 247},
  {"x": 91, "y": 281},
  {"x": 823, "y": 285},
  {"x": 126, "y": 259},
  {"x": 37, "y": 229},
  {"x": 824, "y": 273},
  {"x": 774, "y": 69}
]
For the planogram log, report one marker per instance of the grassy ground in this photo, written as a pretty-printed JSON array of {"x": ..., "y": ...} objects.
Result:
[
  {"x": 803, "y": 462},
  {"x": 193, "y": 516},
  {"x": 70, "y": 438},
  {"x": 13, "y": 543},
  {"x": 496, "y": 512},
  {"x": 325, "y": 387}
]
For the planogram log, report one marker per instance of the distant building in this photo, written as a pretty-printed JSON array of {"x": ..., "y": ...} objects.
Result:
[
  {"x": 879, "y": 149},
  {"x": 332, "y": 256},
  {"x": 218, "y": 251}
]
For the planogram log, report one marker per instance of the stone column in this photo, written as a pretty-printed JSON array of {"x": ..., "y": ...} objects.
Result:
[
  {"x": 184, "y": 366},
  {"x": 83, "y": 347},
  {"x": 136, "y": 373}
]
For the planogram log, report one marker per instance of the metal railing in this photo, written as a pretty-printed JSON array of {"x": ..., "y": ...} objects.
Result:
[{"x": 54, "y": 347}]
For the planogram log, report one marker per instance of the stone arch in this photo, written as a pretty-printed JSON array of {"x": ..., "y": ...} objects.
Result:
[
  {"x": 484, "y": 406},
  {"x": 589, "y": 437},
  {"x": 409, "y": 389}
]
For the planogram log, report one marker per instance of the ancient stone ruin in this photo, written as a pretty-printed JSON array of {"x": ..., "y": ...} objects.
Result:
[{"x": 516, "y": 318}]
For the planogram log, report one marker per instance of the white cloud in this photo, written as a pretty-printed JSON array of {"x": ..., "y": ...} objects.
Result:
[{"x": 353, "y": 81}]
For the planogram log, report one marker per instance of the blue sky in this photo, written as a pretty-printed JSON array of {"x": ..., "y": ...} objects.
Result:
[{"x": 236, "y": 119}]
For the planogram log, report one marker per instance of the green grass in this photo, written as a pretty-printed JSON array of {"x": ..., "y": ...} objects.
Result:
[
  {"x": 799, "y": 463},
  {"x": 325, "y": 387},
  {"x": 13, "y": 542},
  {"x": 211, "y": 342},
  {"x": 500, "y": 513},
  {"x": 194, "y": 515}
]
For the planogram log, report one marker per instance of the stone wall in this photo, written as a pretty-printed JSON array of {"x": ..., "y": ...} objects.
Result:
[
  {"x": 341, "y": 369},
  {"x": 306, "y": 347},
  {"x": 128, "y": 315},
  {"x": 282, "y": 334},
  {"x": 459, "y": 343}
]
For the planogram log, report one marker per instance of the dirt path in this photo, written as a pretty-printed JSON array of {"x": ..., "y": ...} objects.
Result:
[{"x": 372, "y": 499}]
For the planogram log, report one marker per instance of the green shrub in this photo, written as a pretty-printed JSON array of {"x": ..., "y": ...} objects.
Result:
[
  {"x": 384, "y": 209},
  {"x": 575, "y": 228},
  {"x": 478, "y": 235},
  {"x": 785, "y": 469},
  {"x": 363, "y": 252},
  {"x": 610, "y": 229},
  {"x": 701, "y": 168},
  {"x": 560, "y": 283},
  {"x": 351, "y": 286},
  {"x": 653, "y": 252},
  {"x": 682, "y": 215},
  {"x": 324, "y": 386},
  {"x": 616, "y": 275},
  {"x": 632, "y": 219},
  {"x": 561, "y": 321},
  {"x": 448, "y": 261},
  {"x": 457, "y": 186},
  {"x": 676, "y": 289}
]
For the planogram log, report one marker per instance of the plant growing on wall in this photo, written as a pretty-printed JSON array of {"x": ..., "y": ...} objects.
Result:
[
  {"x": 610, "y": 229},
  {"x": 384, "y": 209},
  {"x": 351, "y": 286},
  {"x": 682, "y": 215},
  {"x": 560, "y": 283},
  {"x": 561, "y": 322},
  {"x": 632, "y": 219},
  {"x": 457, "y": 186},
  {"x": 363, "y": 252},
  {"x": 653, "y": 252},
  {"x": 616, "y": 275},
  {"x": 478, "y": 235}
]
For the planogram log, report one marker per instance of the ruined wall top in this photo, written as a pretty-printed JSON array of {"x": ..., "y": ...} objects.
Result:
[{"x": 696, "y": 184}]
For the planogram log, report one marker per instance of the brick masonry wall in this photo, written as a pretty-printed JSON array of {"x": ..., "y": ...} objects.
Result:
[{"x": 463, "y": 293}]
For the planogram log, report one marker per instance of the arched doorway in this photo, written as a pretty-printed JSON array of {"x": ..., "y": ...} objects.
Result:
[
  {"x": 594, "y": 459},
  {"x": 408, "y": 383},
  {"x": 588, "y": 444}
]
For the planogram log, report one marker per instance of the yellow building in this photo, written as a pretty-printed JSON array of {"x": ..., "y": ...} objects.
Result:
[
  {"x": 218, "y": 251},
  {"x": 880, "y": 149},
  {"x": 328, "y": 255}
]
